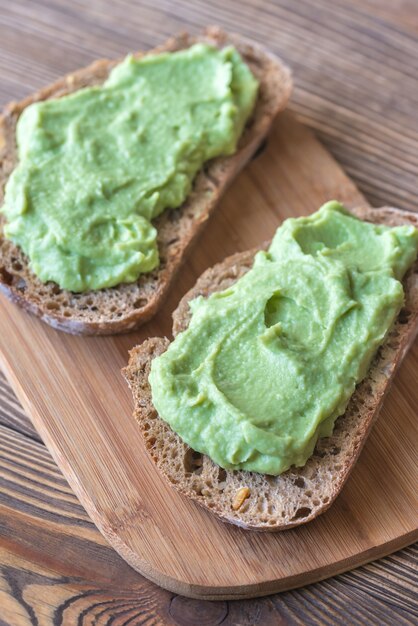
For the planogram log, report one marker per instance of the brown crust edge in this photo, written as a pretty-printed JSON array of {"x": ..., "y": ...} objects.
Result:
[
  {"x": 142, "y": 355},
  {"x": 218, "y": 175}
]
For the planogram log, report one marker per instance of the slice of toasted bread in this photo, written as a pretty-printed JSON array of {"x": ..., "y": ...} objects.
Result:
[
  {"x": 126, "y": 306},
  {"x": 257, "y": 501}
]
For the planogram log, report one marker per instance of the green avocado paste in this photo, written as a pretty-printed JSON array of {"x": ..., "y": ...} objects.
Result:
[
  {"x": 266, "y": 366},
  {"x": 96, "y": 166}
]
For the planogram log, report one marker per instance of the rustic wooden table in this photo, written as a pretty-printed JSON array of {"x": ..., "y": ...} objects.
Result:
[{"x": 356, "y": 84}]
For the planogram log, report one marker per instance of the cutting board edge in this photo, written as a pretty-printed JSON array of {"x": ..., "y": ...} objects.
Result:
[{"x": 257, "y": 590}]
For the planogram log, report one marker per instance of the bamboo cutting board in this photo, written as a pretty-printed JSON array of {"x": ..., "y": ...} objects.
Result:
[{"x": 73, "y": 391}]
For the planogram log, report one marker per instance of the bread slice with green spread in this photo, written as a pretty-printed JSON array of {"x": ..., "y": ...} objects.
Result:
[
  {"x": 127, "y": 305},
  {"x": 259, "y": 501}
]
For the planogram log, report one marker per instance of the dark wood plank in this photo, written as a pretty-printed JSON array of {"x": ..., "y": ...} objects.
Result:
[
  {"x": 356, "y": 85},
  {"x": 12, "y": 414},
  {"x": 402, "y": 13}
]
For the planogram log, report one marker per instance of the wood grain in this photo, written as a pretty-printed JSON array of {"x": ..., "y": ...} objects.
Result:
[
  {"x": 73, "y": 391},
  {"x": 366, "y": 116}
]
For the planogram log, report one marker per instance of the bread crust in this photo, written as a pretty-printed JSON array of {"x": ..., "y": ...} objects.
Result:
[
  {"x": 300, "y": 494},
  {"x": 126, "y": 306}
]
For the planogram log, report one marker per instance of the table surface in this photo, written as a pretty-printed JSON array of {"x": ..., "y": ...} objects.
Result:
[{"x": 356, "y": 85}]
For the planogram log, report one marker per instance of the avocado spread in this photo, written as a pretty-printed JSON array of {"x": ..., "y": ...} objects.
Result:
[
  {"x": 266, "y": 366},
  {"x": 96, "y": 166}
]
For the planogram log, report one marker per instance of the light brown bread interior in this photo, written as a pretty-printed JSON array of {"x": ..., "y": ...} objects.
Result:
[
  {"x": 126, "y": 306},
  {"x": 257, "y": 501}
]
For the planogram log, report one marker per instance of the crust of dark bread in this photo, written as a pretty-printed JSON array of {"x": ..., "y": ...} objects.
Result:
[
  {"x": 300, "y": 494},
  {"x": 126, "y": 306}
]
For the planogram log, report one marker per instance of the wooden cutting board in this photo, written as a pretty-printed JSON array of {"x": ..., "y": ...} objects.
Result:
[{"x": 73, "y": 391}]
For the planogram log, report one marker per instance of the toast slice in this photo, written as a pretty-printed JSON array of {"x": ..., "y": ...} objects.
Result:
[
  {"x": 257, "y": 501},
  {"x": 126, "y": 306}
]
